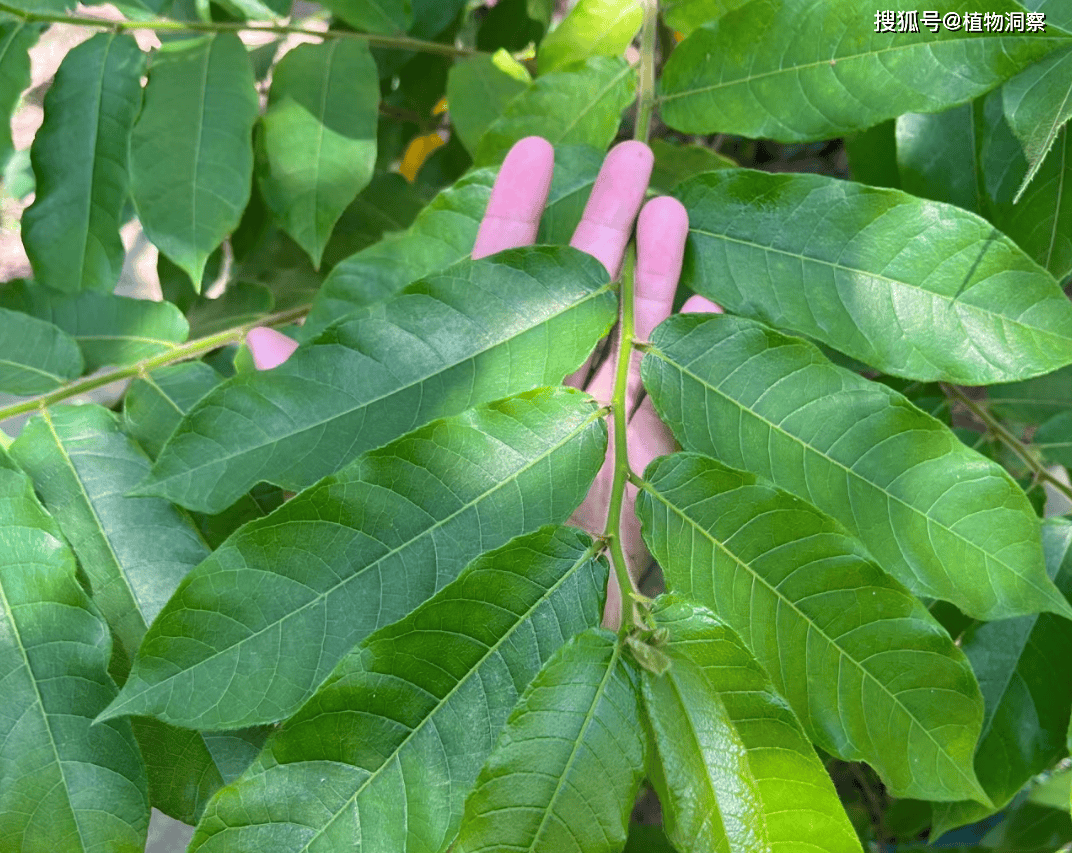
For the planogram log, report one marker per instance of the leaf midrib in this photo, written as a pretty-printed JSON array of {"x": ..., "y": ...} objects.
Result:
[
  {"x": 522, "y": 619},
  {"x": 650, "y": 489},
  {"x": 437, "y": 368},
  {"x": 500, "y": 484},
  {"x": 850, "y": 471},
  {"x": 825, "y": 63}
]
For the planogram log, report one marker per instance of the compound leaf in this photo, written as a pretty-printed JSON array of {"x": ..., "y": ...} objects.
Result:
[
  {"x": 911, "y": 287},
  {"x": 824, "y": 71},
  {"x": 252, "y": 631},
  {"x": 65, "y": 784},
  {"x": 566, "y": 770},
  {"x": 71, "y": 231},
  {"x": 400, "y": 730},
  {"x": 871, "y": 675},
  {"x": 319, "y": 138},
  {"x": 941, "y": 518},
  {"x": 479, "y": 331},
  {"x": 191, "y": 158},
  {"x": 155, "y": 403}
]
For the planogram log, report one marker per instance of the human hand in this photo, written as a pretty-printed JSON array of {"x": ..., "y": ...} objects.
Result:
[{"x": 512, "y": 220}]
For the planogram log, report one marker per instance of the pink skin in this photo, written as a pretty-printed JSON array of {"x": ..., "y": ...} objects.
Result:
[{"x": 512, "y": 220}]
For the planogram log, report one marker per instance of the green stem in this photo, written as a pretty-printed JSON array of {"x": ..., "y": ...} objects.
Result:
[
  {"x": 158, "y": 25},
  {"x": 612, "y": 530},
  {"x": 191, "y": 349},
  {"x": 646, "y": 89},
  {"x": 1003, "y": 435}
]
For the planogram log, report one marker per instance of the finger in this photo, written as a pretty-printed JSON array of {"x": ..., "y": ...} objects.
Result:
[
  {"x": 697, "y": 304},
  {"x": 612, "y": 207},
  {"x": 517, "y": 199},
  {"x": 268, "y": 347}
]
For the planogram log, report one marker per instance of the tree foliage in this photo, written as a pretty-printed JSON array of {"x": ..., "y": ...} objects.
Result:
[{"x": 339, "y": 605}]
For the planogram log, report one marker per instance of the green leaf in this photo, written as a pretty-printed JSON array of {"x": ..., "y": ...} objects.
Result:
[
  {"x": 242, "y": 302},
  {"x": 109, "y": 329},
  {"x": 134, "y": 550},
  {"x": 387, "y": 17},
  {"x": 191, "y": 156},
  {"x": 869, "y": 672},
  {"x": 737, "y": 771},
  {"x": 155, "y": 403},
  {"x": 35, "y": 356},
  {"x": 71, "y": 231},
  {"x": 567, "y": 768},
  {"x": 1034, "y": 400},
  {"x": 16, "y": 39},
  {"x": 1025, "y": 675},
  {"x": 936, "y": 157},
  {"x": 872, "y": 156},
  {"x": 823, "y": 75},
  {"x": 688, "y": 15},
  {"x": 911, "y": 287},
  {"x": 1038, "y": 104},
  {"x": 252, "y": 632},
  {"x": 1031, "y": 829},
  {"x": 676, "y": 163},
  {"x": 479, "y": 331},
  {"x": 942, "y": 519},
  {"x": 319, "y": 137},
  {"x": 579, "y": 106},
  {"x": 478, "y": 88},
  {"x": 400, "y": 730},
  {"x": 389, "y": 204},
  {"x": 1041, "y": 222},
  {"x": 65, "y": 785},
  {"x": 592, "y": 28},
  {"x": 1054, "y": 439},
  {"x": 444, "y": 233}
]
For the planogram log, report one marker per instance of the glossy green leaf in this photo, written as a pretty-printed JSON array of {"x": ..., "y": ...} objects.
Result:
[
  {"x": 109, "y": 329},
  {"x": 478, "y": 88},
  {"x": 400, "y": 730},
  {"x": 737, "y": 770},
  {"x": 566, "y": 770},
  {"x": 65, "y": 785},
  {"x": 477, "y": 332},
  {"x": 1038, "y": 104},
  {"x": 687, "y": 15},
  {"x": 939, "y": 517},
  {"x": 389, "y": 204},
  {"x": 824, "y": 75},
  {"x": 866, "y": 668},
  {"x": 444, "y": 233},
  {"x": 319, "y": 137},
  {"x": 676, "y": 163},
  {"x": 592, "y": 28},
  {"x": 1031, "y": 829},
  {"x": 579, "y": 106},
  {"x": 1041, "y": 221},
  {"x": 252, "y": 632},
  {"x": 913, "y": 288},
  {"x": 242, "y": 302},
  {"x": 1025, "y": 674},
  {"x": 1033, "y": 400},
  {"x": 936, "y": 157},
  {"x": 16, "y": 39},
  {"x": 1054, "y": 439},
  {"x": 35, "y": 356},
  {"x": 388, "y": 17},
  {"x": 191, "y": 156},
  {"x": 155, "y": 403},
  {"x": 134, "y": 551},
  {"x": 71, "y": 231}
]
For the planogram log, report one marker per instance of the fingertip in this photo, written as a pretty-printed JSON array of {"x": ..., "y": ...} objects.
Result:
[
  {"x": 661, "y": 218},
  {"x": 517, "y": 198},
  {"x": 268, "y": 347},
  {"x": 697, "y": 304},
  {"x": 635, "y": 152}
]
